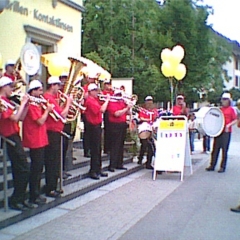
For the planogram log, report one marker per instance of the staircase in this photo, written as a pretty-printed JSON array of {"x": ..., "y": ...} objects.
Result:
[{"x": 76, "y": 185}]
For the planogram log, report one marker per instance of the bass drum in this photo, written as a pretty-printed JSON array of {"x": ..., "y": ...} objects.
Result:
[
  {"x": 210, "y": 121},
  {"x": 144, "y": 130}
]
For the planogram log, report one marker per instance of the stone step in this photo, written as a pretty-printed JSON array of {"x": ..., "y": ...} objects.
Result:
[{"x": 71, "y": 191}]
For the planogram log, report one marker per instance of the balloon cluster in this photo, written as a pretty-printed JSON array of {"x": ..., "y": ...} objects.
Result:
[{"x": 171, "y": 63}]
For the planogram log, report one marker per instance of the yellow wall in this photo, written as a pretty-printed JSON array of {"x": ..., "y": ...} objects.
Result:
[{"x": 13, "y": 35}]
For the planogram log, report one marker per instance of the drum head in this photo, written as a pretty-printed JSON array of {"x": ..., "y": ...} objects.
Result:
[{"x": 213, "y": 122}]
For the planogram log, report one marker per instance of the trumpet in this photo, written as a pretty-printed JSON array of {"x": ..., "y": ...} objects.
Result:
[
  {"x": 128, "y": 99},
  {"x": 75, "y": 104},
  {"x": 54, "y": 114}
]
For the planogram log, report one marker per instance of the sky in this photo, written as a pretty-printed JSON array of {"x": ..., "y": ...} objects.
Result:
[{"x": 225, "y": 19}]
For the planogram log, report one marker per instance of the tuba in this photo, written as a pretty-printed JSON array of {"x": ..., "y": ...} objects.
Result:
[{"x": 73, "y": 87}]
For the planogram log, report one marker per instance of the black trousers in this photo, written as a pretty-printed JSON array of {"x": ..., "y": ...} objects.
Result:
[
  {"x": 147, "y": 145},
  {"x": 20, "y": 169},
  {"x": 95, "y": 133},
  {"x": 66, "y": 129},
  {"x": 220, "y": 142},
  {"x": 52, "y": 160},
  {"x": 117, "y": 136},
  {"x": 86, "y": 136},
  {"x": 36, "y": 168},
  {"x": 107, "y": 139}
]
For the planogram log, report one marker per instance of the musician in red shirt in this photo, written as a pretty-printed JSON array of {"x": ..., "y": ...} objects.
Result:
[
  {"x": 9, "y": 70},
  {"x": 118, "y": 111},
  {"x": 93, "y": 113},
  {"x": 91, "y": 78},
  {"x": 35, "y": 138},
  {"x": 107, "y": 140},
  {"x": 180, "y": 107},
  {"x": 54, "y": 129},
  {"x": 223, "y": 140},
  {"x": 147, "y": 143},
  {"x": 10, "y": 130}
]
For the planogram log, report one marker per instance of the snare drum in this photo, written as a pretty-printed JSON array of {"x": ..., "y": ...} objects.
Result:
[
  {"x": 210, "y": 121},
  {"x": 144, "y": 130}
]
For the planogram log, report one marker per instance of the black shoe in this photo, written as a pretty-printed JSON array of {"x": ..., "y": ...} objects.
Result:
[
  {"x": 221, "y": 170},
  {"x": 94, "y": 176},
  {"x": 18, "y": 206},
  {"x": 209, "y": 169},
  {"x": 40, "y": 200},
  {"x": 29, "y": 204},
  {"x": 87, "y": 155},
  {"x": 65, "y": 176},
  {"x": 121, "y": 168},
  {"x": 53, "y": 194},
  {"x": 160, "y": 172},
  {"x": 139, "y": 162},
  {"x": 111, "y": 169},
  {"x": 103, "y": 174},
  {"x": 236, "y": 209},
  {"x": 69, "y": 174},
  {"x": 149, "y": 167}
]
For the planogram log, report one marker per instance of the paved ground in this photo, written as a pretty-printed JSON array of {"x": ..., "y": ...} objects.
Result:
[{"x": 136, "y": 207}]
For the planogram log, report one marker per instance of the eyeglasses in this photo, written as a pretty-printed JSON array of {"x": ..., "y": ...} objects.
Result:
[{"x": 224, "y": 99}]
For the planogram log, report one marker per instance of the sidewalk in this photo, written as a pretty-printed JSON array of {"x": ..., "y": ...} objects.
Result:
[{"x": 105, "y": 213}]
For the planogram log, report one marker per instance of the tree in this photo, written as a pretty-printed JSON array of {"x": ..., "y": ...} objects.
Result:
[{"x": 127, "y": 36}]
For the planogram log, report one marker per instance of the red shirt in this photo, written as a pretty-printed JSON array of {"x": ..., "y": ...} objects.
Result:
[
  {"x": 110, "y": 92},
  {"x": 177, "y": 110},
  {"x": 9, "y": 76},
  {"x": 114, "y": 107},
  {"x": 92, "y": 112},
  {"x": 34, "y": 135},
  {"x": 151, "y": 115},
  {"x": 85, "y": 87},
  {"x": 52, "y": 125},
  {"x": 7, "y": 126},
  {"x": 229, "y": 115}
]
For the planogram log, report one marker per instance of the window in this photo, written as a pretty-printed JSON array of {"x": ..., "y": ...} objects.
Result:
[{"x": 236, "y": 81}]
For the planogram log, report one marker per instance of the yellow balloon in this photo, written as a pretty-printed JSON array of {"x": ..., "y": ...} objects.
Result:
[
  {"x": 178, "y": 52},
  {"x": 180, "y": 72},
  {"x": 167, "y": 69},
  {"x": 166, "y": 54}
]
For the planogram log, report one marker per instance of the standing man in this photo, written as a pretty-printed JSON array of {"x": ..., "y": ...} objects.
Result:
[
  {"x": 67, "y": 129},
  {"x": 93, "y": 114},
  {"x": 54, "y": 129},
  {"x": 10, "y": 130},
  {"x": 107, "y": 141},
  {"x": 223, "y": 140},
  {"x": 118, "y": 111},
  {"x": 9, "y": 70},
  {"x": 92, "y": 77},
  {"x": 180, "y": 107},
  {"x": 35, "y": 138},
  {"x": 147, "y": 144}
]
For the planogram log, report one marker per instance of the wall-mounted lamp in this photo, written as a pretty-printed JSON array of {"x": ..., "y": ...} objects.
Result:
[{"x": 54, "y": 3}]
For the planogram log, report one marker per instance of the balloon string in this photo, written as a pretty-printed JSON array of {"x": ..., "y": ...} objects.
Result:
[{"x": 171, "y": 89}]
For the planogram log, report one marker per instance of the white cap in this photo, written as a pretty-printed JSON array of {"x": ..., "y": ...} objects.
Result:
[
  {"x": 148, "y": 98},
  {"x": 180, "y": 96},
  {"x": 10, "y": 62},
  {"x": 238, "y": 101},
  {"x": 53, "y": 80},
  {"x": 92, "y": 86},
  {"x": 34, "y": 84},
  {"x": 93, "y": 74},
  {"x": 64, "y": 74},
  {"x": 117, "y": 91},
  {"x": 227, "y": 95},
  {"x": 5, "y": 81}
]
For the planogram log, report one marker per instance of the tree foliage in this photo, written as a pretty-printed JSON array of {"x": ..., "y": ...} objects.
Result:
[{"x": 127, "y": 36}]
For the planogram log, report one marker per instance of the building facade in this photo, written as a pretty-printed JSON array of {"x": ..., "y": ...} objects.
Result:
[
  {"x": 54, "y": 26},
  {"x": 233, "y": 68}
]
